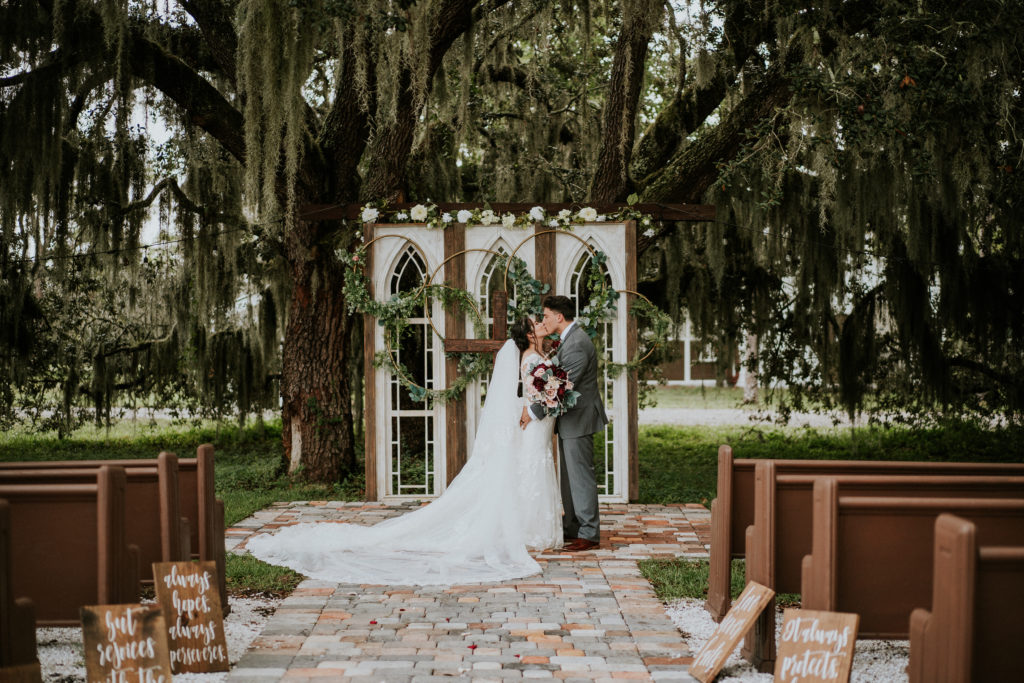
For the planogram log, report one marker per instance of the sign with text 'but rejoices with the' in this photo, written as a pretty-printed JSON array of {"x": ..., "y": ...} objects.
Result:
[
  {"x": 816, "y": 646},
  {"x": 125, "y": 644},
  {"x": 727, "y": 636},
  {"x": 188, "y": 593}
]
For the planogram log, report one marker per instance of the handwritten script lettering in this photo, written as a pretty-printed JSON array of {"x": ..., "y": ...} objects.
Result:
[
  {"x": 816, "y": 646},
  {"x": 125, "y": 644},
  {"x": 188, "y": 593}
]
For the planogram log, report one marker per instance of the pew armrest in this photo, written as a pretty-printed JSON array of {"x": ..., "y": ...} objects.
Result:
[{"x": 920, "y": 620}]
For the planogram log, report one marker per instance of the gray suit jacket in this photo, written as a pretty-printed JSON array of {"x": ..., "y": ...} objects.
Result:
[{"x": 579, "y": 358}]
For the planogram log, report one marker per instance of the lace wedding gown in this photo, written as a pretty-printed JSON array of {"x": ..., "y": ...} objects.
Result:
[{"x": 503, "y": 502}]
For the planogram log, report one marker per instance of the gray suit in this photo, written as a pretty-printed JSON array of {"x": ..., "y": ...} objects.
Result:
[{"x": 576, "y": 430}]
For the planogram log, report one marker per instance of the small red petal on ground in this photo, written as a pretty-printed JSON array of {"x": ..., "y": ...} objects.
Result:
[{"x": 374, "y": 621}]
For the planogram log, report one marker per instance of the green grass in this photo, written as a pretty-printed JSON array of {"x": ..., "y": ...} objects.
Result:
[
  {"x": 682, "y": 578},
  {"x": 248, "y": 576}
]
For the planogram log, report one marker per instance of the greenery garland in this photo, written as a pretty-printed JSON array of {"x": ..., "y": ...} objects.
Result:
[{"x": 393, "y": 315}]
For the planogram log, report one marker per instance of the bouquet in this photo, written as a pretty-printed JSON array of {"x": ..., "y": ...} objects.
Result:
[{"x": 548, "y": 386}]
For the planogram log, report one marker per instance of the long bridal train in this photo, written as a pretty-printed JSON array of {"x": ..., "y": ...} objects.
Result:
[{"x": 503, "y": 502}]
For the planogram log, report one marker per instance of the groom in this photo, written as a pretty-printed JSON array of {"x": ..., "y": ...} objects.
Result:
[{"x": 576, "y": 428}]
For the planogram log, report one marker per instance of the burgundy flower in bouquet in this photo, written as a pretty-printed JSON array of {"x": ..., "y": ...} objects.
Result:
[{"x": 550, "y": 388}]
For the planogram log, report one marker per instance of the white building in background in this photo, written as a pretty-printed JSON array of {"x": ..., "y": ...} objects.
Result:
[{"x": 696, "y": 364}]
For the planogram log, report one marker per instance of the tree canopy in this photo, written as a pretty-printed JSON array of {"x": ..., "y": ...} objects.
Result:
[{"x": 865, "y": 157}]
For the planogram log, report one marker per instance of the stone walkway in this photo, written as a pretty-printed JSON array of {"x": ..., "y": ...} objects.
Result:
[{"x": 586, "y": 617}]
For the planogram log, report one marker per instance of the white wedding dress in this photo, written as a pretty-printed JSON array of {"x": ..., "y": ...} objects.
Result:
[{"x": 503, "y": 502}]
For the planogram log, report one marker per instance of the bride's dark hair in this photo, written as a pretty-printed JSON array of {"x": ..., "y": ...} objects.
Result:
[{"x": 519, "y": 331}]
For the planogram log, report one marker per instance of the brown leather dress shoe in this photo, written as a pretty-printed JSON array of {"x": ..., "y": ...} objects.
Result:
[{"x": 581, "y": 545}]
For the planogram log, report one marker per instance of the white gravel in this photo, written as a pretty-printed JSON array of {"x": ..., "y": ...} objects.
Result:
[
  {"x": 873, "y": 660},
  {"x": 60, "y": 649}
]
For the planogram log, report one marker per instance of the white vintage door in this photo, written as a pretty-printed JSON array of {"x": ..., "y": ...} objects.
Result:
[{"x": 411, "y": 435}]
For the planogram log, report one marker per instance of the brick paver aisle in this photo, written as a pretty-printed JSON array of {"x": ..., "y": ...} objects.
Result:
[{"x": 589, "y": 616}]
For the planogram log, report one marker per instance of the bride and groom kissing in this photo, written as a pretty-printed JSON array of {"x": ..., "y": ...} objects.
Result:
[{"x": 506, "y": 499}]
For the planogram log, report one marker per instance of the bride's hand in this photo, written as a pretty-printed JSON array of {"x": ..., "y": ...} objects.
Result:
[{"x": 524, "y": 419}]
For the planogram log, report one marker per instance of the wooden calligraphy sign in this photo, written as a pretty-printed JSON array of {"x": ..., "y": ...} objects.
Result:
[
  {"x": 125, "y": 643},
  {"x": 188, "y": 593},
  {"x": 816, "y": 646},
  {"x": 730, "y": 631}
]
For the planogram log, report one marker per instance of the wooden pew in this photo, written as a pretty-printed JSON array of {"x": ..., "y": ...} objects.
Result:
[
  {"x": 198, "y": 501},
  {"x": 17, "y": 614},
  {"x": 70, "y": 547},
  {"x": 153, "y": 517},
  {"x": 732, "y": 510},
  {"x": 873, "y": 555},
  {"x": 780, "y": 536},
  {"x": 974, "y": 629}
]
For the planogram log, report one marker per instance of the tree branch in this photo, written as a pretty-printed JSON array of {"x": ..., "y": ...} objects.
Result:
[
  {"x": 53, "y": 62},
  {"x": 692, "y": 170},
  {"x": 204, "y": 105},
  {"x": 611, "y": 177},
  {"x": 218, "y": 31}
]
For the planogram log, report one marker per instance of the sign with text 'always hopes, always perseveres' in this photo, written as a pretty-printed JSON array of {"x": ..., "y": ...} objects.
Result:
[
  {"x": 188, "y": 593},
  {"x": 816, "y": 646},
  {"x": 737, "y": 622},
  {"x": 125, "y": 644}
]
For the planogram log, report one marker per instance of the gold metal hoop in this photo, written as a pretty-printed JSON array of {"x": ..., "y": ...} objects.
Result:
[
  {"x": 441, "y": 265},
  {"x": 635, "y": 293},
  {"x": 504, "y": 281},
  {"x": 423, "y": 285}
]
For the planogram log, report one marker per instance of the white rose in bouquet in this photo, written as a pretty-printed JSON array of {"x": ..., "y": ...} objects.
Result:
[
  {"x": 464, "y": 216},
  {"x": 369, "y": 214},
  {"x": 588, "y": 215}
]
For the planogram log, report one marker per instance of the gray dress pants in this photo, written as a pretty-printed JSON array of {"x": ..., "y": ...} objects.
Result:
[{"x": 579, "y": 488}]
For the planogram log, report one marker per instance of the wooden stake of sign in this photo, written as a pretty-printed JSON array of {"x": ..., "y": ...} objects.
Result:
[
  {"x": 730, "y": 631},
  {"x": 189, "y": 595},
  {"x": 816, "y": 646},
  {"x": 125, "y": 643}
]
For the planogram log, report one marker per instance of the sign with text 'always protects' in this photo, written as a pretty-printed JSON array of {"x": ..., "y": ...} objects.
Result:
[
  {"x": 125, "y": 644},
  {"x": 188, "y": 593},
  {"x": 816, "y": 646}
]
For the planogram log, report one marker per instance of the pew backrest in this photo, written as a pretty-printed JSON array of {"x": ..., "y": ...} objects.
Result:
[
  {"x": 784, "y": 506},
  {"x": 873, "y": 555},
  {"x": 973, "y": 629},
  {"x": 153, "y": 517},
  {"x": 71, "y": 546},
  {"x": 732, "y": 510},
  {"x": 783, "y": 523}
]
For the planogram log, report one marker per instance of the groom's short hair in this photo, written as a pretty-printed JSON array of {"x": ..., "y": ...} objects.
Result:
[{"x": 561, "y": 304}]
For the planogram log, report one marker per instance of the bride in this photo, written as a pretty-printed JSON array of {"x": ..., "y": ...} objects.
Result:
[{"x": 503, "y": 502}]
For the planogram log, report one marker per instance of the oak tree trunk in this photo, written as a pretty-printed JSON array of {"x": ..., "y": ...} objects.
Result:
[{"x": 317, "y": 408}]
